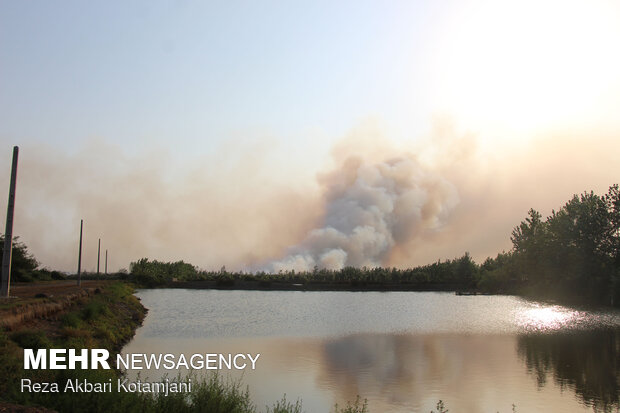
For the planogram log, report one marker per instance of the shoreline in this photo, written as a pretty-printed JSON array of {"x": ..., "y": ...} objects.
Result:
[
  {"x": 319, "y": 286},
  {"x": 456, "y": 288}
]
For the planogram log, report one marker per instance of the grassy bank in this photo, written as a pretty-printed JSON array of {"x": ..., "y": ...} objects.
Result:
[{"x": 105, "y": 319}]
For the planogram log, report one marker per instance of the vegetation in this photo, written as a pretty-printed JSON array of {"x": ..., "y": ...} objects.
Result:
[
  {"x": 357, "y": 406},
  {"x": 574, "y": 253},
  {"x": 122, "y": 274},
  {"x": 460, "y": 272},
  {"x": 153, "y": 273},
  {"x": 106, "y": 320},
  {"x": 24, "y": 266}
]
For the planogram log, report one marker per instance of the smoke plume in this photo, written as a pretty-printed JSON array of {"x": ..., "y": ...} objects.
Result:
[{"x": 369, "y": 208}]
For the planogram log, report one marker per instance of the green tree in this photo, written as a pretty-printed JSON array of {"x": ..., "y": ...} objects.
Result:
[
  {"x": 22, "y": 261},
  {"x": 466, "y": 270},
  {"x": 574, "y": 251},
  {"x": 579, "y": 235},
  {"x": 528, "y": 235},
  {"x": 155, "y": 272},
  {"x": 612, "y": 241},
  {"x": 530, "y": 241}
]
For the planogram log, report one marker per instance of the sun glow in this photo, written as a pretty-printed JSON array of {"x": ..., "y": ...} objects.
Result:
[
  {"x": 528, "y": 66},
  {"x": 547, "y": 318}
]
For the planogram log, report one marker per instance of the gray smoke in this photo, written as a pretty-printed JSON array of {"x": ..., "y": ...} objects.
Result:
[{"x": 371, "y": 207}]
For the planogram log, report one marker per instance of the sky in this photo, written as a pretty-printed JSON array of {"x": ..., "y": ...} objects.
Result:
[{"x": 279, "y": 135}]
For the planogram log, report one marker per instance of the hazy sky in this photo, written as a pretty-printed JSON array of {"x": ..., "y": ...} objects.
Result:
[{"x": 270, "y": 134}]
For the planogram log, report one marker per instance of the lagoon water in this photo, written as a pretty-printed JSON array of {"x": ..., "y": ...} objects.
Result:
[{"x": 402, "y": 351}]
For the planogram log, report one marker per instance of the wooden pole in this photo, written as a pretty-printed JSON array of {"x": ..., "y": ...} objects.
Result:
[
  {"x": 98, "y": 255},
  {"x": 106, "y": 262},
  {"x": 79, "y": 274},
  {"x": 8, "y": 232}
]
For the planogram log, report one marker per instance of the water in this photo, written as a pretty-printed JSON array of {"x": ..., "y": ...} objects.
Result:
[{"x": 403, "y": 351}]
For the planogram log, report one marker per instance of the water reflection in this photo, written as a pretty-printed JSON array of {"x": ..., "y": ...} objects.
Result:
[
  {"x": 369, "y": 363},
  {"x": 405, "y": 373},
  {"x": 548, "y": 317},
  {"x": 533, "y": 317},
  {"x": 401, "y": 351},
  {"x": 586, "y": 362}
]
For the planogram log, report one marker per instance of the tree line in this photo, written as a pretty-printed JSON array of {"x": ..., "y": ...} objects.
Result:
[
  {"x": 459, "y": 272},
  {"x": 572, "y": 253}
]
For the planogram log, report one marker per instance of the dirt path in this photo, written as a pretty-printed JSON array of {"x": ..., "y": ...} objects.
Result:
[
  {"x": 51, "y": 288},
  {"x": 32, "y": 302}
]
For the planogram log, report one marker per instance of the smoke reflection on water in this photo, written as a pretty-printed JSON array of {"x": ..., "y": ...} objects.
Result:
[{"x": 402, "y": 351}]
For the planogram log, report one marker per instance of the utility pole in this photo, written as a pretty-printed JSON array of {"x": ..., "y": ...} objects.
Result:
[
  {"x": 98, "y": 255},
  {"x": 106, "y": 262},
  {"x": 79, "y": 274},
  {"x": 8, "y": 232}
]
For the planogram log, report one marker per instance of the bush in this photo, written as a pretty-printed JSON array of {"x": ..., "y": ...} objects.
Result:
[
  {"x": 355, "y": 407},
  {"x": 284, "y": 406},
  {"x": 31, "y": 339},
  {"x": 72, "y": 320},
  {"x": 93, "y": 309}
]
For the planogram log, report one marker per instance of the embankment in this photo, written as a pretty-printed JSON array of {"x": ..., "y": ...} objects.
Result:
[
  {"x": 42, "y": 307},
  {"x": 102, "y": 317}
]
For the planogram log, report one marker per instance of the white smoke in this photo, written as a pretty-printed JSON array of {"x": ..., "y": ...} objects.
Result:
[{"x": 370, "y": 207}]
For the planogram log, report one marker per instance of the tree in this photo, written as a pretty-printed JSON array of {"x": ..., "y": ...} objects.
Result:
[
  {"x": 466, "y": 270},
  {"x": 530, "y": 241},
  {"x": 22, "y": 261},
  {"x": 579, "y": 234},
  {"x": 527, "y": 236},
  {"x": 612, "y": 241},
  {"x": 575, "y": 251},
  {"x": 155, "y": 272}
]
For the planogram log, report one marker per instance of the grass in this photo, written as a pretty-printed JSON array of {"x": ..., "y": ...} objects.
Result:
[
  {"x": 356, "y": 407},
  {"x": 31, "y": 339},
  {"x": 284, "y": 406},
  {"x": 11, "y": 304}
]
